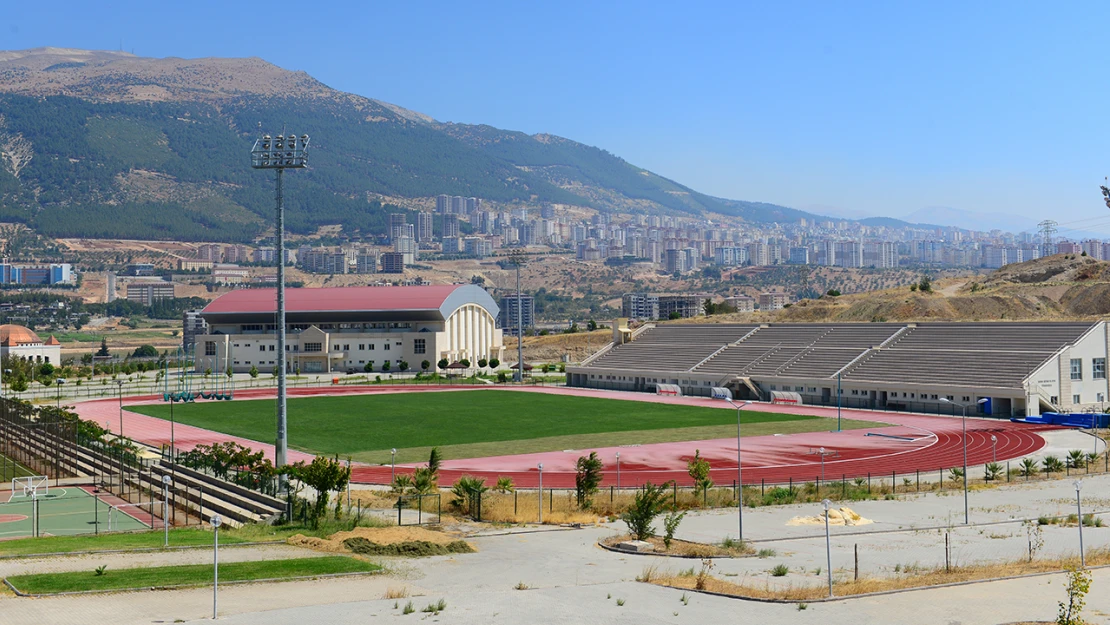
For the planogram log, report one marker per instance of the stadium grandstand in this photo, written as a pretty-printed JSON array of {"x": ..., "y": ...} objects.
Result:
[
  {"x": 345, "y": 328},
  {"x": 1017, "y": 368}
]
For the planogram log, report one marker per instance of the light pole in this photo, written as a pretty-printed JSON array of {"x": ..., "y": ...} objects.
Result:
[
  {"x": 739, "y": 481},
  {"x": 119, "y": 385},
  {"x": 172, "y": 441},
  {"x": 618, "y": 470},
  {"x": 392, "y": 465},
  {"x": 839, "y": 394},
  {"x": 280, "y": 153},
  {"x": 166, "y": 510},
  {"x": 828, "y": 544},
  {"x": 540, "y": 466},
  {"x": 60, "y": 382},
  {"x": 963, "y": 420},
  {"x": 1079, "y": 509},
  {"x": 518, "y": 260},
  {"x": 216, "y": 521},
  {"x": 994, "y": 448}
]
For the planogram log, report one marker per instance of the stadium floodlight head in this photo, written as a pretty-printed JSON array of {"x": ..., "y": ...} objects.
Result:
[
  {"x": 280, "y": 152},
  {"x": 217, "y": 520},
  {"x": 166, "y": 479}
]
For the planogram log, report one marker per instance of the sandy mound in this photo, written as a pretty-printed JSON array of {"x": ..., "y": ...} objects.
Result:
[
  {"x": 843, "y": 516},
  {"x": 378, "y": 535}
]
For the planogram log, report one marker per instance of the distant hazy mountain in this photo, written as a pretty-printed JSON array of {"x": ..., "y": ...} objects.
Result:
[
  {"x": 107, "y": 144},
  {"x": 947, "y": 216}
]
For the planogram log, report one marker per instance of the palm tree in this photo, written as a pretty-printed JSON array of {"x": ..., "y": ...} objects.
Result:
[{"x": 1027, "y": 468}]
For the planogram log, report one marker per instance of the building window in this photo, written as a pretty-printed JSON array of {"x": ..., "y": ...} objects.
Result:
[
  {"x": 371, "y": 347},
  {"x": 966, "y": 398},
  {"x": 1075, "y": 399},
  {"x": 262, "y": 348},
  {"x": 210, "y": 348},
  {"x": 271, "y": 348},
  {"x": 419, "y": 346},
  {"x": 386, "y": 346},
  {"x": 1077, "y": 368},
  {"x": 1099, "y": 397},
  {"x": 1098, "y": 368},
  {"x": 361, "y": 346},
  {"x": 346, "y": 348},
  {"x": 313, "y": 347},
  {"x": 1054, "y": 400}
]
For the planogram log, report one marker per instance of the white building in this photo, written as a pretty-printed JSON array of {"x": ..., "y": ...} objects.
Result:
[
  {"x": 20, "y": 342},
  {"x": 340, "y": 329}
]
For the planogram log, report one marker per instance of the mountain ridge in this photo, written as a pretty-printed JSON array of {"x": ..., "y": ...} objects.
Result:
[{"x": 113, "y": 136}]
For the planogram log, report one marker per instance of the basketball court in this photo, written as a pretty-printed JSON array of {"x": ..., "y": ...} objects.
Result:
[{"x": 34, "y": 508}]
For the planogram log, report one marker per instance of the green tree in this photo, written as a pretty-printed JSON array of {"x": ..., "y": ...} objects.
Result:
[
  {"x": 229, "y": 372},
  {"x": 369, "y": 366},
  {"x": 442, "y": 364},
  {"x": 1078, "y": 585},
  {"x": 19, "y": 384},
  {"x": 46, "y": 369},
  {"x": 670, "y": 526},
  {"x": 385, "y": 366},
  {"x": 103, "y": 351},
  {"x": 465, "y": 362},
  {"x": 925, "y": 285},
  {"x": 425, "y": 365},
  {"x": 146, "y": 351},
  {"x": 587, "y": 479},
  {"x": 403, "y": 366},
  {"x": 591, "y": 325},
  {"x": 648, "y": 504},
  {"x": 698, "y": 468},
  {"x": 253, "y": 372},
  {"x": 434, "y": 460},
  {"x": 494, "y": 363},
  {"x": 482, "y": 362},
  {"x": 674, "y": 315},
  {"x": 323, "y": 475}
]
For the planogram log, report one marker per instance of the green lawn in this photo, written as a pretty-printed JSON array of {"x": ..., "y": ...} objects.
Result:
[
  {"x": 476, "y": 423},
  {"x": 111, "y": 542},
  {"x": 194, "y": 574}
]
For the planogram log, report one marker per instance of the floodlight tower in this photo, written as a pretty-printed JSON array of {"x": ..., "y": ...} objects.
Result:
[
  {"x": 518, "y": 259},
  {"x": 280, "y": 153}
]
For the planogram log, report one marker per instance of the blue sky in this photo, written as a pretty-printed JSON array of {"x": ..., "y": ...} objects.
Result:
[{"x": 880, "y": 108}]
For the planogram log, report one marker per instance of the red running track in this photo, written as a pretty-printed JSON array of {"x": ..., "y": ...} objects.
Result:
[{"x": 910, "y": 443}]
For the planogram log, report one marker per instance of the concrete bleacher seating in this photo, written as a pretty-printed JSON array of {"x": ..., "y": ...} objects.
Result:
[{"x": 978, "y": 354}]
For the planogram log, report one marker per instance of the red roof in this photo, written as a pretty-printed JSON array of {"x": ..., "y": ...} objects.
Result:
[{"x": 356, "y": 298}]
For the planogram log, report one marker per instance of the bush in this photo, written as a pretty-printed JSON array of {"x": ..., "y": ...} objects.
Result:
[
  {"x": 647, "y": 505},
  {"x": 670, "y": 526},
  {"x": 992, "y": 472},
  {"x": 587, "y": 479},
  {"x": 1052, "y": 464},
  {"x": 698, "y": 468},
  {"x": 780, "y": 570}
]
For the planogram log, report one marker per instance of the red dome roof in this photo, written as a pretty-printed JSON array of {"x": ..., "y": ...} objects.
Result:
[{"x": 13, "y": 335}]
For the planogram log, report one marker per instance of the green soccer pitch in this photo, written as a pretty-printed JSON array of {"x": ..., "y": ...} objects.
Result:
[{"x": 471, "y": 424}]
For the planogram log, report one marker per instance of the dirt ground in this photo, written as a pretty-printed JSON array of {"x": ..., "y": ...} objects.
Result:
[{"x": 379, "y": 535}]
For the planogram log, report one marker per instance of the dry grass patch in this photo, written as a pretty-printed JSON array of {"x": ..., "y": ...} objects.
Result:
[
  {"x": 384, "y": 536},
  {"x": 918, "y": 579},
  {"x": 687, "y": 548}
]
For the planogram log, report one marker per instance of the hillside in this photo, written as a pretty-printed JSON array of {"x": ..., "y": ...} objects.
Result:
[
  {"x": 1053, "y": 288},
  {"x": 110, "y": 145}
]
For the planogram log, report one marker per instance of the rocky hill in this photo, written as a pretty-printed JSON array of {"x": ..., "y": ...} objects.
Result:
[
  {"x": 1064, "y": 286},
  {"x": 107, "y": 144}
]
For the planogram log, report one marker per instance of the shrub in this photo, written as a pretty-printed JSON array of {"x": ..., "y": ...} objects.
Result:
[
  {"x": 1028, "y": 467},
  {"x": 647, "y": 505},
  {"x": 504, "y": 485},
  {"x": 698, "y": 468},
  {"x": 1078, "y": 584},
  {"x": 1052, "y": 464},
  {"x": 780, "y": 570},
  {"x": 587, "y": 479},
  {"x": 956, "y": 474},
  {"x": 409, "y": 609},
  {"x": 466, "y": 489},
  {"x": 992, "y": 472},
  {"x": 1076, "y": 459},
  {"x": 766, "y": 553},
  {"x": 670, "y": 526}
]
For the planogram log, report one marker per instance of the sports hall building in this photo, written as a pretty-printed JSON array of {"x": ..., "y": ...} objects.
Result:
[
  {"x": 1018, "y": 368},
  {"x": 339, "y": 329}
]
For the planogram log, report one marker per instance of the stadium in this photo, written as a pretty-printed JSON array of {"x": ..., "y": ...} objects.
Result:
[
  {"x": 1018, "y": 368},
  {"x": 341, "y": 329}
]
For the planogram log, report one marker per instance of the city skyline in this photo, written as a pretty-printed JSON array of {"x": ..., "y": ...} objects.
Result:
[{"x": 854, "y": 111}]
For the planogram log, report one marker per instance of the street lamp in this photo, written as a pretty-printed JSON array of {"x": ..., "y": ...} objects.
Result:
[
  {"x": 1079, "y": 509},
  {"x": 994, "y": 448},
  {"x": 166, "y": 510},
  {"x": 739, "y": 482},
  {"x": 119, "y": 384},
  {"x": 60, "y": 382},
  {"x": 216, "y": 521},
  {"x": 964, "y": 408},
  {"x": 618, "y": 470},
  {"x": 392, "y": 465},
  {"x": 280, "y": 153},
  {"x": 828, "y": 544},
  {"x": 540, "y": 466}
]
